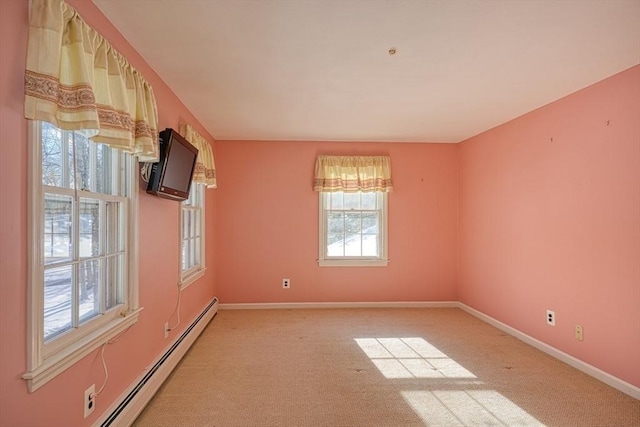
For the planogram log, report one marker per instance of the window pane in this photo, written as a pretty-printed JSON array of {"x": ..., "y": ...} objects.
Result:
[
  {"x": 70, "y": 173},
  {"x": 104, "y": 169},
  {"x": 112, "y": 223},
  {"x": 196, "y": 252},
  {"x": 351, "y": 200},
  {"x": 369, "y": 200},
  {"x": 197, "y": 223},
  {"x": 192, "y": 257},
  {"x": 83, "y": 161},
  {"x": 89, "y": 227},
  {"x": 198, "y": 190},
  {"x": 352, "y": 222},
  {"x": 186, "y": 224},
  {"x": 89, "y": 288},
  {"x": 335, "y": 200},
  {"x": 190, "y": 225},
  {"x": 353, "y": 245},
  {"x": 57, "y": 228},
  {"x": 335, "y": 245},
  {"x": 114, "y": 280},
  {"x": 369, "y": 245},
  {"x": 370, "y": 223},
  {"x": 185, "y": 258},
  {"x": 51, "y": 155},
  {"x": 122, "y": 180},
  {"x": 335, "y": 222},
  {"x": 57, "y": 300}
]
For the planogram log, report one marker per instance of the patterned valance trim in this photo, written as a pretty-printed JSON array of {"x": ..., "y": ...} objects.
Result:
[
  {"x": 353, "y": 173},
  {"x": 205, "y": 172},
  {"x": 76, "y": 80}
]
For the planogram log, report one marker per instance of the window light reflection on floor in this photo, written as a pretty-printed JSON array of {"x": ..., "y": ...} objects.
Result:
[
  {"x": 410, "y": 358},
  {"x": 467, "y": 408},
  {"x": 398, "y": 358}
]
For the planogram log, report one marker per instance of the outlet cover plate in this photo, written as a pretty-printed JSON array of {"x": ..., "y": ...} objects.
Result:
[
  {"x": 89, "y": 400},
  {"x": 551, "y": 318}
]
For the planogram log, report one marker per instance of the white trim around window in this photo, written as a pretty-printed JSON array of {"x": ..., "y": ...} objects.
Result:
[
  {"x": 48, "y": 356},
  {"x": 371, "y": 240},
  {"x": 192, "y": 236}
]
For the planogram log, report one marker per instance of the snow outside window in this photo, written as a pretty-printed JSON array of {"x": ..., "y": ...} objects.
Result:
[
  {"x": 353, "y": 229},
  {"x": 83, "y": 260}
]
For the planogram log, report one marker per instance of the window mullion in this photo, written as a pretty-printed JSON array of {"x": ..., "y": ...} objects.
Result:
[
  {"x": 123, "y": 246},
  {"x": 102, "y": 252},
  {"x": 75, "y": 259}
]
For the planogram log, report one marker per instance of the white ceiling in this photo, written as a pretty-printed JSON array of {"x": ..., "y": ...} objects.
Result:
[{"x": 320, "y": 69}]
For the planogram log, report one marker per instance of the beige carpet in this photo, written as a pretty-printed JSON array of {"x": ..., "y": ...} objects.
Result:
[{"x": 375, "y": 367}]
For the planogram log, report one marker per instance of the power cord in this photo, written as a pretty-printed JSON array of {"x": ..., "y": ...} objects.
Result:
[
  {"x": 104, "y": 363},
  {"x": 177, "y": 310}
]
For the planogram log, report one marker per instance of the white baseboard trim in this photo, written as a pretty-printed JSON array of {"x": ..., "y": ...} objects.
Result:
[
  {"x": 588, "y": 369},
  {"x": 299, "y": 305},
  {"x": 132, "y": 401}
]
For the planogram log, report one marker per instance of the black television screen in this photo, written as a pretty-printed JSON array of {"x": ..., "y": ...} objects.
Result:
[{"x": 171, "y": 175}]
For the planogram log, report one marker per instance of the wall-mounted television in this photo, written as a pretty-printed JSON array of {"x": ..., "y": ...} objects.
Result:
[{"x": 170, "y": 177}]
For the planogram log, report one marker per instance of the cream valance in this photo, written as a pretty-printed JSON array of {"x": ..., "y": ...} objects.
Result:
[
  {"x": 205, "y": 172},
  {"x": 76, "y": 80},
  {"x": 353, "y": 173}
]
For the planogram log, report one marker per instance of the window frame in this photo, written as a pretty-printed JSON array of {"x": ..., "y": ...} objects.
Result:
[
  {"x": 46, "y": 360},
  {"x": 381, "y": 260},
  {"x": 190, "y": 275}
]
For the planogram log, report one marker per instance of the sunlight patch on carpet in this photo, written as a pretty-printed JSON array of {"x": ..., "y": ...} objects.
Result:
[
  {"x": 410, "y": 358},
  {"x": 467, "y": 408}
]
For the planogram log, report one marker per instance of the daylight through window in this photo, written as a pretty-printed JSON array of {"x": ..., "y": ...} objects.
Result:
[
  {"x": 82, "y": 266},
  {"x": 192, "y": 232},
  {"x": 352, "y": 228}
]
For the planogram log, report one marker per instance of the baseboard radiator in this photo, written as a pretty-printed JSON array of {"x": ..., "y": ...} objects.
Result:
[{"x": 130, "y": 403}]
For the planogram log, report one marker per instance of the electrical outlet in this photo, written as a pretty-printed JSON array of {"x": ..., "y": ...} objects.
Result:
[
  {"x": 579, "y": 335},
  {"x": 166, "y": 330},
  {"x": 551, "y": 318},
  {"x": 89, "y": 400},
  {"x": 286, "y": 283}
]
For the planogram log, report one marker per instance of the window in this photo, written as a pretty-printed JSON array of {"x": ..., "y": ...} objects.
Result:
[
  {"x": 353, "y": 229},
  {"x": 192, "y": 235},
  {"x": 83, "y": 278}
]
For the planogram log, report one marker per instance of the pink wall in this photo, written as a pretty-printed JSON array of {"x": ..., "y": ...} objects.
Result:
[
  {"x": 58, "y": 402},
  {"x": 268, "y": 225},
  {"x": 556, "y": 224},
  {"x": 541, "y": 225}
]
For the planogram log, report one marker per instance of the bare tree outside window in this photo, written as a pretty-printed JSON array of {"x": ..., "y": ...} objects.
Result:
[{"x": 83, "y": 227}]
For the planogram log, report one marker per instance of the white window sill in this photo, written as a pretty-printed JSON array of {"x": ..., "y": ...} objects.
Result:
[
  {"x": 59, "y": 362},
  {"x": 353, "y": 262},
  {"x": 191, "y": 277}
]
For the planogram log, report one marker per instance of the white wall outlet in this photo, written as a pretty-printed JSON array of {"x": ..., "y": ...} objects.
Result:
[
  {"x": 166, "y": 330},
  {"x": 89, "y": 400},
  {"x": 286, "y": 283},
  {"x": 579, "y": 335},
  {"x": 551, "y": 318}
]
